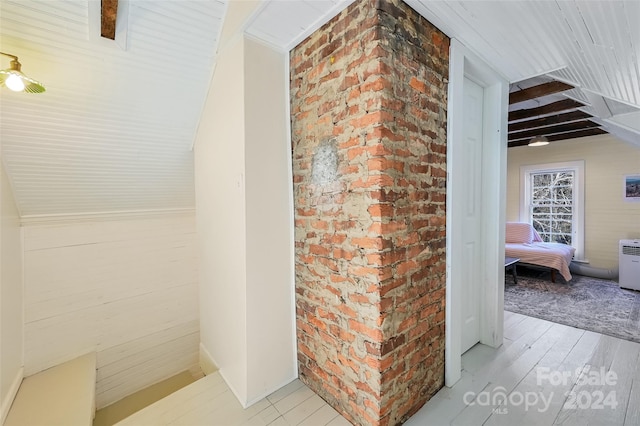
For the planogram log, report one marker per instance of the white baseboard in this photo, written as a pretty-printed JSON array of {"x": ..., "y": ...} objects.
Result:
[
  {"x": 270, "y": 391},
  {"x": 11, "y": 395},
  {"x": 248, "y": 403},
  {"x": 207, "y": 364}
]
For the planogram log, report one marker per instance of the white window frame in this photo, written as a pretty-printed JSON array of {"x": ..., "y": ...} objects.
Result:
[{"x": 577, "y": 167}]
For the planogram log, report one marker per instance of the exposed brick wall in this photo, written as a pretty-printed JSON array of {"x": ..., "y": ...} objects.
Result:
[{"x": 368, "y": 104}]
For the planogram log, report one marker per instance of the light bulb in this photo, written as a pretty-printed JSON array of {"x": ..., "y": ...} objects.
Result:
[
  {"x": 539, "y": 141},
  {"x": 14, "y": 82}
]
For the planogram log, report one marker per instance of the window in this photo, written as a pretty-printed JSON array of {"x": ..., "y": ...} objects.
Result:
[
  {"x": 552, "y": 205},
  {"x": 552, "y": 201}
]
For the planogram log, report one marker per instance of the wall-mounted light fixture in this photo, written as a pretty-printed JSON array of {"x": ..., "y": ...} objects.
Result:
[
  {"x": 539, "y": 141},
  {"x": 13, "y": 79}
]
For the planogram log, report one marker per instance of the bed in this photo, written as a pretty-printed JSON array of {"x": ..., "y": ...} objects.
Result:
[{"x": 524, "y": 242}]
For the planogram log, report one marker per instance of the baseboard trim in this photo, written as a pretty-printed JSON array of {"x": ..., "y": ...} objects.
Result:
[
  {"x": 269, "y": 392},
  {"x": 11, "y": 395},
  {"x": 207, "y": 364}
]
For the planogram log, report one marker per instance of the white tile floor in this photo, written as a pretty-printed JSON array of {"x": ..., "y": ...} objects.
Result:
[
  {"x": 209, "y": 401},
  {"x": 513, "y": 369}
]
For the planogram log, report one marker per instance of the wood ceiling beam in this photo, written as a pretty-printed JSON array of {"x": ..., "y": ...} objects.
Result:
[
  {"x": 548, "y": 121},
  {"x": 559, "y": 106},
  {"x": 538, "y": 91},
  {"x": 562, "y": 136},
  {"x": 546, "y": 131},
  {"x": 109, "y": 14}
]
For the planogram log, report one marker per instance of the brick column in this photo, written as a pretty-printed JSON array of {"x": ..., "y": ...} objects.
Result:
[{"x": 368, "y": 105}]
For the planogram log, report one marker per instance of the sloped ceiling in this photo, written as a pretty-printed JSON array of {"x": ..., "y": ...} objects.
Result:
[
  {"x": 592, "y": 45},
  {"x": 115, "y": 128}
]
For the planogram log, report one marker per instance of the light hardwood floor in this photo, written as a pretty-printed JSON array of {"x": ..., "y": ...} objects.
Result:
[
  {"x": 569, "y": 376},
  {"x": 537, "y": 369}
]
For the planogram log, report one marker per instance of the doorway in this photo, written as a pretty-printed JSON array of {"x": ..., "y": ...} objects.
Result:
[
  {"x": 476, "y": 193},
  {"x": 471, "y": 235}
]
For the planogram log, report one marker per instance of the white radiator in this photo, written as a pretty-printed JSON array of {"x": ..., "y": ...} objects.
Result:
[{"x": 630, "y": 264}]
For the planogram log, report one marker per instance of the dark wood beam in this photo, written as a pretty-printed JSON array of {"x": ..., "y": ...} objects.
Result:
[
  {"x": 561, "y": 136},
  {"x": 548, "y": 121},
  {"x": 563, "y": 105},
  {"x": 109, "y": 14},
  {"x": 538, "y": 91},
  {"x": 561, "y": 128}
]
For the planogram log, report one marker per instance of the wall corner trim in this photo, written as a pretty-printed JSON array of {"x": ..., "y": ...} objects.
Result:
[
  {"x": 47, "y": 219},
  {"x": 207, "y": 364},
  {"x": 11, "y": 395}
]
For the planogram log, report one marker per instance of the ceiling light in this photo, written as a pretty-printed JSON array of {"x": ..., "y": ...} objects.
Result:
[
  {"x": 539, "y": 141},
  {"x": 14, "y": 80}
]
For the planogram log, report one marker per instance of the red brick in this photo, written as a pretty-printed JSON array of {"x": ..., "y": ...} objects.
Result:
[
  {"x": 418, "y": 85},
  {"x": 374, "y": 164},
  {"x": 385, "y": 109},
  {"x": 373, "y": 333},
  {"x": 376, "y": 85},
  {"x": 381, "y": 210},
  {"x": 373, "y": 181},
  {"x": 318, "y": 250}
]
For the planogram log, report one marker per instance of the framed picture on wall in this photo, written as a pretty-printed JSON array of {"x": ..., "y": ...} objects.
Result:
[{"x": 632, "y": 188}]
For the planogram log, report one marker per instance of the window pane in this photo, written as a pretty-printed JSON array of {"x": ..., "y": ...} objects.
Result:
[
  {"x": 541, "y": 179},
  {"x": 552, "y": 205},
  {"x": 541, "y": 210}
]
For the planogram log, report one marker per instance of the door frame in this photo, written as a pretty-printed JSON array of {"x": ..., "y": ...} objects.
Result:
[{"x": 463, "y": 63}]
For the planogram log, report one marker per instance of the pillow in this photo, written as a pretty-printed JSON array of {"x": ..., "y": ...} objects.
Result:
[{"x": 519, "y": 233}]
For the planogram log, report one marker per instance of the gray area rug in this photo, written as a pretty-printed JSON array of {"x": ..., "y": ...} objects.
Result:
[{"x": 584, "y": 302}]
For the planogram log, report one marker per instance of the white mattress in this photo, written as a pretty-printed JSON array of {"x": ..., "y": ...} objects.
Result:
[{"x": 552, "y": 255}]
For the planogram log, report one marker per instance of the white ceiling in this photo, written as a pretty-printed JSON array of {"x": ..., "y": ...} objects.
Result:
[
  {"x": 114, "y": 130},
  {"x": 592, "y": 45},
  {"x": 284, "y": 24}
]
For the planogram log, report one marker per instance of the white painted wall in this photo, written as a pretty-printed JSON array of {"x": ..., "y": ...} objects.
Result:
[
  {"x": 220, "y": 211},
  {"x": 243, "y": 207},
  {"x": 125, "y": 288},
  {"x": 11, "y": 317},
  {"x": 608, "y": 218},
  {"x": 269, "y": 214}
]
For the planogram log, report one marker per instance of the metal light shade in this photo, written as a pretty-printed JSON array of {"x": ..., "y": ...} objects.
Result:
[
  {"x": 539, "y": 141},
  {"x": 13, "y": 78}
]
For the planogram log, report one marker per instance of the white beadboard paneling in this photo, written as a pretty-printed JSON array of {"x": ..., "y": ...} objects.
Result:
[
  {"x": 592, "y": 45},
  {"x": 148, "y": 368},
  {"x": 114, "y": 130},
  {"x": 595, "y": 43},
  {"x": 125, "y": 288},
  {"x": 284, "y": 24},
  {"x": 11, "y": 297}
]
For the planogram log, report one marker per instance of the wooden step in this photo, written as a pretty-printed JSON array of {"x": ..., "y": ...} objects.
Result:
[{"x": 63, "y": 395}]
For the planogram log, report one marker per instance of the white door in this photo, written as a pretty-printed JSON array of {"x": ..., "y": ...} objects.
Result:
[{"x": 471, "y": 231}]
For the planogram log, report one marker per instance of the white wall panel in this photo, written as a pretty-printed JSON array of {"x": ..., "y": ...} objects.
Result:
[
  {"x": 244, "y": 212},
  {"x": 220, "y": 208},
  {"x": 269, "y": 215},
  {"x": 125, "y": 288},
  {"x": 11, "y": 315}
]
